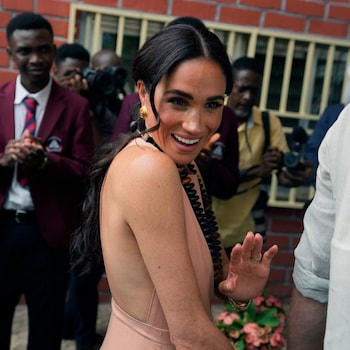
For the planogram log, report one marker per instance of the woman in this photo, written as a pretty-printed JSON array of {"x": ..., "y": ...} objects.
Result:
[{"x": 159, "y": 238}]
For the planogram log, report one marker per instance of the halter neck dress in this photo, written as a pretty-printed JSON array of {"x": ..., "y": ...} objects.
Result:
[{"x": 124, "y": 331}]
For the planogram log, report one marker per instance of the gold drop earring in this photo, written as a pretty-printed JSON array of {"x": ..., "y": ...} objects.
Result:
[{"x": 143, "y": 112}]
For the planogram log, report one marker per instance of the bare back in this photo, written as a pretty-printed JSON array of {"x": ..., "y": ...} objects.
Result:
[{"x": 150, "y": 236}]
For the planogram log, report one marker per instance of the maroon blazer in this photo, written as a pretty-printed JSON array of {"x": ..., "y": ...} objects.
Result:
[{"x": 57, "y": 191}]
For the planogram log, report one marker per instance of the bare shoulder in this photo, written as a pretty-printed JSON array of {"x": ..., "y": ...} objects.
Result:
[{"x": 143, "y": 163}]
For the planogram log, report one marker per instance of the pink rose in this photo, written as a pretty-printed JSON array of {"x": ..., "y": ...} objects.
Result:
[
  {"x": 228, "y": 318},
  {"x": 258, "y": 300},
  {"x": 277, "y": 340},
  {"x": 250, "y": 327},
  {"x": 272, "y": 301}
]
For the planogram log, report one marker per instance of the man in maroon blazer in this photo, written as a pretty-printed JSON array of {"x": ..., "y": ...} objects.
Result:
[{"x": 45, "y": 147}]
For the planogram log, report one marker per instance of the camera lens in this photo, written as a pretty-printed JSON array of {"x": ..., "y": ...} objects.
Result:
[
  {"x": 119, "y": 76},
  {"x": 98, "y": 81},
  {"x": 291, "y": 159},
  {"x": 104, "y": 82}
]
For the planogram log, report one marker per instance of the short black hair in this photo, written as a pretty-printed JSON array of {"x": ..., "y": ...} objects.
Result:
[
  {"x": 27, "y": 20},
  {"x": 75, "y": 50},
  {"x": 248, "y": 63}
]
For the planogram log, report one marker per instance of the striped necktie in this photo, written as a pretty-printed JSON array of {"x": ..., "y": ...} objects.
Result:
[
  {"x": 30, "y": 107},
  {"x": 30, "y": 124}
]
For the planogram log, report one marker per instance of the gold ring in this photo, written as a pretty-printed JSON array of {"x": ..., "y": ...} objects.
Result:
[{"x": 256, "y": 260}]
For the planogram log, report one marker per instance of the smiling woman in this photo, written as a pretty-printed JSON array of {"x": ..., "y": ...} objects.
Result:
[
  {"x": 190, "y": 104},
  {"x": 147, "y": 210}
]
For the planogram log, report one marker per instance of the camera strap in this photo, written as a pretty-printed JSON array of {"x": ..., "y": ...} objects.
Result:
[
  {"x": 265, "y": 116},
  {"x": 266, "y": 124}
]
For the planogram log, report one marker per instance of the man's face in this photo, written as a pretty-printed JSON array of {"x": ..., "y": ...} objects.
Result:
[
  {"x": 33, "y": 52},
  {"x": 245, "y": 93},
  {"x": 67, "y": 69}
]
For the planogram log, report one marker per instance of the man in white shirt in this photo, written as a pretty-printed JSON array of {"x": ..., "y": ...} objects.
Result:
[{"x": 319, "y": 314}]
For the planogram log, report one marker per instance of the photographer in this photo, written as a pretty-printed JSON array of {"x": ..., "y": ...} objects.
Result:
[
  {"x": 110, "y": 80},
  {"x": 262, "y": 146},
  {"x": 70, "y": 61},
  {"x": 82, "y": 299},
  {"x": 102, "y": 84}
]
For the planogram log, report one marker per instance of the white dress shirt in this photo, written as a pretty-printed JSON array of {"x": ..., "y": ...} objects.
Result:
[
  {"x": 19, "y": 197},
  {"x": 322, "y": 265}
]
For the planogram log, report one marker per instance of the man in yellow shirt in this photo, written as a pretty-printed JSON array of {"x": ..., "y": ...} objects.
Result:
[{"x": 258, "y": 157}]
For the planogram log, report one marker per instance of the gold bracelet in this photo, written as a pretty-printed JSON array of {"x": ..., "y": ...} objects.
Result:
[{"x": 239, "y": 305}]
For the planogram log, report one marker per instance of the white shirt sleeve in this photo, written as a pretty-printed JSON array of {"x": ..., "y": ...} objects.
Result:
[{"x": 322, "y": 265}]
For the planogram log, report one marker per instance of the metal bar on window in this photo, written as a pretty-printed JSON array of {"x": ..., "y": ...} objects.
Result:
[
  {"x": 267, "y": 72},
  {"x": 120, "y": 36},
  {"x": 287, "y": 74},
  {"x": 327, "y": 77},
  {"x": 306, "y": 79}
]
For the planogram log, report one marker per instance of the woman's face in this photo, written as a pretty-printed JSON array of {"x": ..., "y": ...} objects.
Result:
[{"x": 189, "y": 102}]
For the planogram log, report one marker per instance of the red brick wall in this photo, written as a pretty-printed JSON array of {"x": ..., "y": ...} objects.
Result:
[{"x": 284, "y": 227}]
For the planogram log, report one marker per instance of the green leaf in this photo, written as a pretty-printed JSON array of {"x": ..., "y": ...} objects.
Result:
[
  {"x": 230, "y": 308},
  {"x": 240, "y": 322},
  {"x": 233, "y": 326},
  {"x": 240, "y": 344},
  {"x": 251, "y": 310},
  {"x": 268, "y": 317}
]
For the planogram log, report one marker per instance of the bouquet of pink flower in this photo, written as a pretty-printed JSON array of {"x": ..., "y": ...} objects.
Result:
[{"x": 260, "y": 327}]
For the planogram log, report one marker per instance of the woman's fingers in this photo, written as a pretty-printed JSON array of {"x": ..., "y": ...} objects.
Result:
[{"x": 269, "y": 254}]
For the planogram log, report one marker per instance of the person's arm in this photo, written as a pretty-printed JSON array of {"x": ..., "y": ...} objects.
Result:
[
  {"x": 306, "y": 323},
  {"x": 11, "y": 155},
  {"x": 296, "y": 177},
  {"x": 271, "y": 161},
  {"x": 223, "y": 174},
  {"x": 285, "y": 176},
  {"x": 73, "y": 81},
  {"x": 312, "y": 267},
  {"x": 328, "y": 117}
]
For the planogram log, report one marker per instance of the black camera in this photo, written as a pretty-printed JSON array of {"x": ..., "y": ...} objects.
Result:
[
  {"x": 292, "y": 159},
  {"x": 106, "y": 82}
]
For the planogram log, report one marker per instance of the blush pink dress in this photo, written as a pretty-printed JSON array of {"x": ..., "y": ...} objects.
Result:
[{"x": 127, "y": 333}]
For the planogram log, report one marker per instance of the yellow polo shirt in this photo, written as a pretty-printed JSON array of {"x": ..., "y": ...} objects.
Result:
[{"x": 234, "y": 214}]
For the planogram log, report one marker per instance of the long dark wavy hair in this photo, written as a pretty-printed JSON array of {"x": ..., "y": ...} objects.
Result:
[{"x": 158, "y": 57}]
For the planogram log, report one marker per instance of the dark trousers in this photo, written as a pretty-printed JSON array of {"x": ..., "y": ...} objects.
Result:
[
  {"x": 81, "y": 308},
  {"x": 28, "y": 266}
]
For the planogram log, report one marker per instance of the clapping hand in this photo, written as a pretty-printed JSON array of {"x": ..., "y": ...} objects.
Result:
[{"x": 31, "y": 150}]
